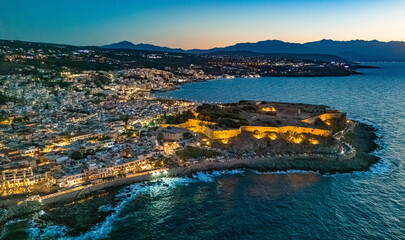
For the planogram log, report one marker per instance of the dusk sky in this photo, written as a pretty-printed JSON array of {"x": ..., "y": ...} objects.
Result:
[{"x": 200, "y": 24}]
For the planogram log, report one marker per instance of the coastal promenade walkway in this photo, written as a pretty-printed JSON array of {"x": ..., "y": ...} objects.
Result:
[
  {"x": 155, "y": 173},
  {"x": 33, "y": 203}
]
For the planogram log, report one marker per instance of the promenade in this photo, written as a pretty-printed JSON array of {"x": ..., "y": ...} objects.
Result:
[
  {"x": 305, "y": 161},
  {"x": 207, "y": 165}
]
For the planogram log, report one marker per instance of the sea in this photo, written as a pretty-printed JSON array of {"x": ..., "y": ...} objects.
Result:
[{"x": 247, "y": 204}]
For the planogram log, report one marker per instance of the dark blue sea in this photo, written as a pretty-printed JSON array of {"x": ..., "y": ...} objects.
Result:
[{"x": 244, "y": 204}]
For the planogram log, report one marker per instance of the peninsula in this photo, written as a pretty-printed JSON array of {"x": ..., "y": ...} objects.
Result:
[
  {"x": 266, "y": 136},
  {"x": 74, "y": 121}
]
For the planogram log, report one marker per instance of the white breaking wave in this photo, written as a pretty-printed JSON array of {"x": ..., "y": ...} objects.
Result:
[
  {"x": 209, "y": 176},
  {"x": 106, "y": 208},
  {"x": 287, "y": 172},
  {"x": 49, "y": 232},
  {"x": 383, "y": 166},
  {"x": 127, "y": 194}
]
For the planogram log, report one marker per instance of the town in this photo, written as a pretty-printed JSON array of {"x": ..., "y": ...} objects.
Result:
[{"x": 73, "y": 118}]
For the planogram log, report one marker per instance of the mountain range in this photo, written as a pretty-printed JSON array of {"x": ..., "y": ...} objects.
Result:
[{"x": 354, "y": 50}]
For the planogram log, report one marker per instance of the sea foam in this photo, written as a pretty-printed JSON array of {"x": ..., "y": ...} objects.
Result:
[
  {"x": 127, "y": 194},
  {"x": 101, "y": 230}
]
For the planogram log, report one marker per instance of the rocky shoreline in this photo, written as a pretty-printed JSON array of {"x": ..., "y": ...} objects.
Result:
[{"x": 362, "y": 138}]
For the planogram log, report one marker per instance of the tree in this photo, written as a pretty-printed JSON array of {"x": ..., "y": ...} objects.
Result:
[
  {"x": 187, "y": 135},
  {"x": 125, "y": 119},
  {"x": 321, "y": 124},
  {"x": 68, "y": 137},
  {"x": 76, "y": 155}
]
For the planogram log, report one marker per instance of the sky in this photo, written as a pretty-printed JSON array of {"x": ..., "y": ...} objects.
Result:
[{"x": 200, "y": 24}]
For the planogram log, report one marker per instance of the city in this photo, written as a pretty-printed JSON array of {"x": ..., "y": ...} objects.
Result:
[
  {"x": 208, "y": 119},
  {"x": 63, "y": 129}
]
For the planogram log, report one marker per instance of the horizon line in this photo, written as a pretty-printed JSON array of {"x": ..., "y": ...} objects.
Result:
[{"x": 188, "y": 49}]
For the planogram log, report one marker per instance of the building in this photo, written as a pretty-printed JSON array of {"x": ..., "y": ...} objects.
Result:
[
  {"x": 170, "y": 133},
  {"x": 19, "y": 180}
]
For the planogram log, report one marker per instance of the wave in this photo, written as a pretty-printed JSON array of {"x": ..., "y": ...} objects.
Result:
[
  {"x": 209, "y": 176},
  {"x": 106, "y": 208},
  {"x": 6, "y": 226},
  {"x": 292, "y": 171},
  {"x": 380, "y": 168},
  {"x": 35, "y": 231},
  {"x": 127, "y": 194},
  {"x": 383, "y": 166}
]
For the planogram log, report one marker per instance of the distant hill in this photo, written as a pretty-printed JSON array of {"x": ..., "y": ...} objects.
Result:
[
  {"x": 269, "y": 46},
  {"x": 310, "y": 56},
  {"x": 142, "y": 46},
  {"x": 360, "y": 50},
  {"x": 355, "y": 50}
]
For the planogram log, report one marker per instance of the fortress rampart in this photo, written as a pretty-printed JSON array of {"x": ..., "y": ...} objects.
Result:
[
  {"x": 324, "y": 117},
  {"x": 207, "y": 129}
]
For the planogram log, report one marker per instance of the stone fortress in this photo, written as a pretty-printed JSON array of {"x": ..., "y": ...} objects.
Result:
[{"x": 301, "y": 119}]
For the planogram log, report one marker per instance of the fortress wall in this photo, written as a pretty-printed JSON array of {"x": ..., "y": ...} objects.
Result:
[
  {"x": 260, "y": 129},
  {"x": 224, "y": 134},
  {"x": 169, "y": 125},
  {"x": 314, "y": 131},
  {"x": 328, "y": 116},
  {"x": 323, "y": 117},
  {"x": 208, "y": 131},
  {"x": 192, "y": 125},
  {"x": 202, "y": 127},
  {"x": 194, "y": 122}
]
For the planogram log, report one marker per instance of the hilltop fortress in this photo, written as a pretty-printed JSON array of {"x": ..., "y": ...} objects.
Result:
[
  {"x": 263, "y": 119},
  {"x": 208, "y": 128},
  {"x": 266, "y": 136}
]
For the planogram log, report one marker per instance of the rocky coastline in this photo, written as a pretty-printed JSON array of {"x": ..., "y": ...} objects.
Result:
[{"x": 363, "y": 139}]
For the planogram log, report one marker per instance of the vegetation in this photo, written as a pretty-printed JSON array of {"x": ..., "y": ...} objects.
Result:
[
  {"x": 3, "y": 118},
  {"x": 77, "y": 155},
  {"x": 125, "y": 119},
  {"x": 160, "y": 163},
  {"x": 128, "y": 132},
  {"x": 68, "y": 137},
  {"x": 338, "y": 124},
  {"x": 4, "y": 99},
  {"x": 226, "y": 117},
  {"x": 335, "y": 125},
  {"x": 292, "y": 135},
  {"x": 100, "y": 138},
  {"x": 21, "y": 119},
  {"x": 196, "y": 153},
  {"x": 100, "y": 95},
  {"x": 100, "y": 80},
  {"x": 187, "y": 135},
  {"x": 178, "y": 118},
  {"x": 52, "y": 84},
  {"x": 321, "y": 124},
  {"x": 229, "y": 123},
  {"x": 114, "y": 59}
]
